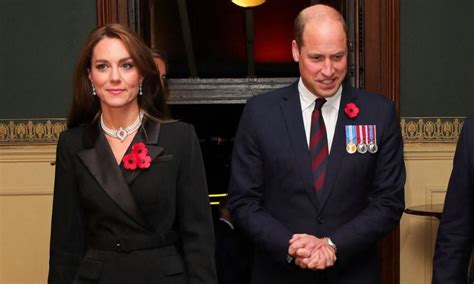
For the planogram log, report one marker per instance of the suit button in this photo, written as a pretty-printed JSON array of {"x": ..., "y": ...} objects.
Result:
[{"x": 320, "y": 220}]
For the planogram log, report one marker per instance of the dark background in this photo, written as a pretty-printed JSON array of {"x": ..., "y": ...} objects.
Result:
[{"x": 40, "y": 41}]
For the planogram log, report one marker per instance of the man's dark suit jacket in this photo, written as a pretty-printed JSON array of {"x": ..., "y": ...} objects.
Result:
[
  {"x": 456, "y": 230},
  {"x": 95, "y": 199},
  {"x": 272, "y": 195}
]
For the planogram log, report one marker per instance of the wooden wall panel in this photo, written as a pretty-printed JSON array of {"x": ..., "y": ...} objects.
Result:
[
  {"x": 112, "y": 11},
  {"x": 382, "y": 48},
  {"x": 382, "y": 75}
]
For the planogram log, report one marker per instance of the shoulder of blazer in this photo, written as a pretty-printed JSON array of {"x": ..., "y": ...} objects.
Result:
[
  {"x": 368, "y": 97},
  {"x": 176, "y": 134},
  {"x": 275, "y": 96},
  {"x": 70, "y": 133},
  {"x": 176, "y": 128},
  {"x": 72, "y": 137},
  {"x": 469, "y": 122}
]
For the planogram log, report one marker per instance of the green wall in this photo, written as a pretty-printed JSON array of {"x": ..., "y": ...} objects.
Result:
[
  {"x": 437, "y": 58},
  {"x": 40, "y": 41}
]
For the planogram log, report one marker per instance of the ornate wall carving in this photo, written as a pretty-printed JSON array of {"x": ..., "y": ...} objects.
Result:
[
  {"x": 46, "y": 131},
  {"x": 30, "y": 131}
]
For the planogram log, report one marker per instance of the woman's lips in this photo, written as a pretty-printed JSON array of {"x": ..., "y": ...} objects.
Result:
[{"x": 115, "y": 91}]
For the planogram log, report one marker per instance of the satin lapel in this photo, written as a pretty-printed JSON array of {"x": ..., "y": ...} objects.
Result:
[
  {"x": 100, "y": 162},
  {"x": 338, "y": 148},
  {"x": 291, "y": 108},
  {"x": 149, "y": 135}
]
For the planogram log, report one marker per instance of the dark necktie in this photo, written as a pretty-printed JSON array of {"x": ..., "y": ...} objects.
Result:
[{"x": 318, "y": 146}]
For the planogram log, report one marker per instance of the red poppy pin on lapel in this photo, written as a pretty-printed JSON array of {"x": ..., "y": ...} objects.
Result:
[
  {"x": 352, "y": 111},
  {"x": 137, "y": 158}
]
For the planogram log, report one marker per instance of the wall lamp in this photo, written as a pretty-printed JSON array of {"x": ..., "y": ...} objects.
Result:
[{"x": 248, "y": 3}]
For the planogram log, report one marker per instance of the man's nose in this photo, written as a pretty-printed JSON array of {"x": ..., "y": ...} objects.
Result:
[{"x": 328, "y": 68}]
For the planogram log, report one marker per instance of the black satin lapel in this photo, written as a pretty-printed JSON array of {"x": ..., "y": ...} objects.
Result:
[
  {"x": 338, "y": 148},
  {"x": 291, "y": 108},
  {"x": 101, "y": 164},
  {"x": 148, "y": 134}
]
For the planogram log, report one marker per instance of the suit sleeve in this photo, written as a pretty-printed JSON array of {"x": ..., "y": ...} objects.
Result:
[
  {"x": 455, "y": 233},
  {"x": 67, "y": 233},
  {"x": 194, "y": 214},
  {"x": 246, "y": 192},
  {"x": 385, "y": 202}
]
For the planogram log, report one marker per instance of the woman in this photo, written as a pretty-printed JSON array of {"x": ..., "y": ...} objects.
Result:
[{"x": 130, "y": 198}]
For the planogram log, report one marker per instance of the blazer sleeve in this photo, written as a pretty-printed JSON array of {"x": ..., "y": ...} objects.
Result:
[
  {"x": 386, "y": 198},
  {"x": 455, "y": 233},
  {"x": 246, "y": 191},
  {"x": 194, "y": 214},
  {"x": 67, "y": 233}
]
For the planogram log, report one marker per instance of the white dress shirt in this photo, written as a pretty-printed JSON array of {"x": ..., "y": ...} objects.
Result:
[{"x": 330, "y": 111}]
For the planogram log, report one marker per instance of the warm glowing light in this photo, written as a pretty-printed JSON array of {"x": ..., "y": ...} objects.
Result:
[{"x": 248, "y": 3}]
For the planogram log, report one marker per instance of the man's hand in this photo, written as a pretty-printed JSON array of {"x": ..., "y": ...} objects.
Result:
[{"x": 311, "y": 252}]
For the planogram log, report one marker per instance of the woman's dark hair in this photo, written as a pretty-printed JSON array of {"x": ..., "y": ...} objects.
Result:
[
  {"x": 156, "y": 53},
  {"x": 85, "y": 107}
]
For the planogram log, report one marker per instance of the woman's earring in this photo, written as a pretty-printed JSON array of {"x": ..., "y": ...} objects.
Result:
[
  {"x": 141, "y": 91},
  {"x": 93, "y": 90}
]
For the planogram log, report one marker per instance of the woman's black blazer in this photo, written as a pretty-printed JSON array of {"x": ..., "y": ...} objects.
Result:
[{"x": 113, "y": 225}]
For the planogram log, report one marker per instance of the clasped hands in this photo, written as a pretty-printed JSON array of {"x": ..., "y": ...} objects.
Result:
[{"x": 310, "y": 252}]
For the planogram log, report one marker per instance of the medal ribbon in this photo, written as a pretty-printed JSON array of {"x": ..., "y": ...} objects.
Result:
[
  {"x": 375, "y": 134},
  {"x": 360, "y": 134},
  {"x": 366, "y": 129},
  {"x": 348, "y": 134},
  {"x": 371, "y": 133}
]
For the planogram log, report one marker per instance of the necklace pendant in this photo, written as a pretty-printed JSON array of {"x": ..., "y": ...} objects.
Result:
[{"x": 122, "y": 134}]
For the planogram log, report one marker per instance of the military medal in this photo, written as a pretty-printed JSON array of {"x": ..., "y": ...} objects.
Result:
[
  {"x": 373, "y": 139},
  {"x": 361, "y": 146},
  {"x": 351, "y": 148},
  {"x": 373, "y": 148}
]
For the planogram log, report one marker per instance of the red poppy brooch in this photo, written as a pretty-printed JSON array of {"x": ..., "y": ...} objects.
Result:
[
  {"x": 137, "y": 158},
  {"x": 352, "y": 111}
]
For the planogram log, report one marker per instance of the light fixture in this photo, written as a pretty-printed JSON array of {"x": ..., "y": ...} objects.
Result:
[{"x": 248, "y": 3}]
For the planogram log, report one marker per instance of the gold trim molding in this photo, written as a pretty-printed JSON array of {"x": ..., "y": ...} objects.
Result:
[
  {"x": 31, "y": 131},
  {"x": 46, "y": 131},
  {"x": 431, "y": 129}
]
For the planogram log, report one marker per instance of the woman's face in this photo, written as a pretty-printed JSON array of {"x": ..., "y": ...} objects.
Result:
[{"x": 114, "y": 75}]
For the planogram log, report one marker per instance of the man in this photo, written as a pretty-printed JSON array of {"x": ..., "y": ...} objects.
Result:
[
  {"x": 315, "y": 190},
  {"x": 456, "y": 230},
  {"x": 162, "y": 66}
]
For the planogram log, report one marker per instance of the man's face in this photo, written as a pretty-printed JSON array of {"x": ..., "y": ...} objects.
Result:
[
  {"x": 161, "y": 68},
  {"x": 322, "y": 57}
]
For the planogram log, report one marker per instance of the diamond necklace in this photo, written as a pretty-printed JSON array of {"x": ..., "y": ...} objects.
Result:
[{"x": 122, "y": 133}]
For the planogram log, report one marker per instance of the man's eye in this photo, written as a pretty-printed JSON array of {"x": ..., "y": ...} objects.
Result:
[{"x": 338, "y": 57}]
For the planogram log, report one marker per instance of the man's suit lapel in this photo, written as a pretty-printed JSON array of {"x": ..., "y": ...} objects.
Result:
[
  {"x": 100, "y": 161},
  {"x": 338, "y": 148},
  {"x": 291, "y": 108},
  {"x": 149, "y": 135}
]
